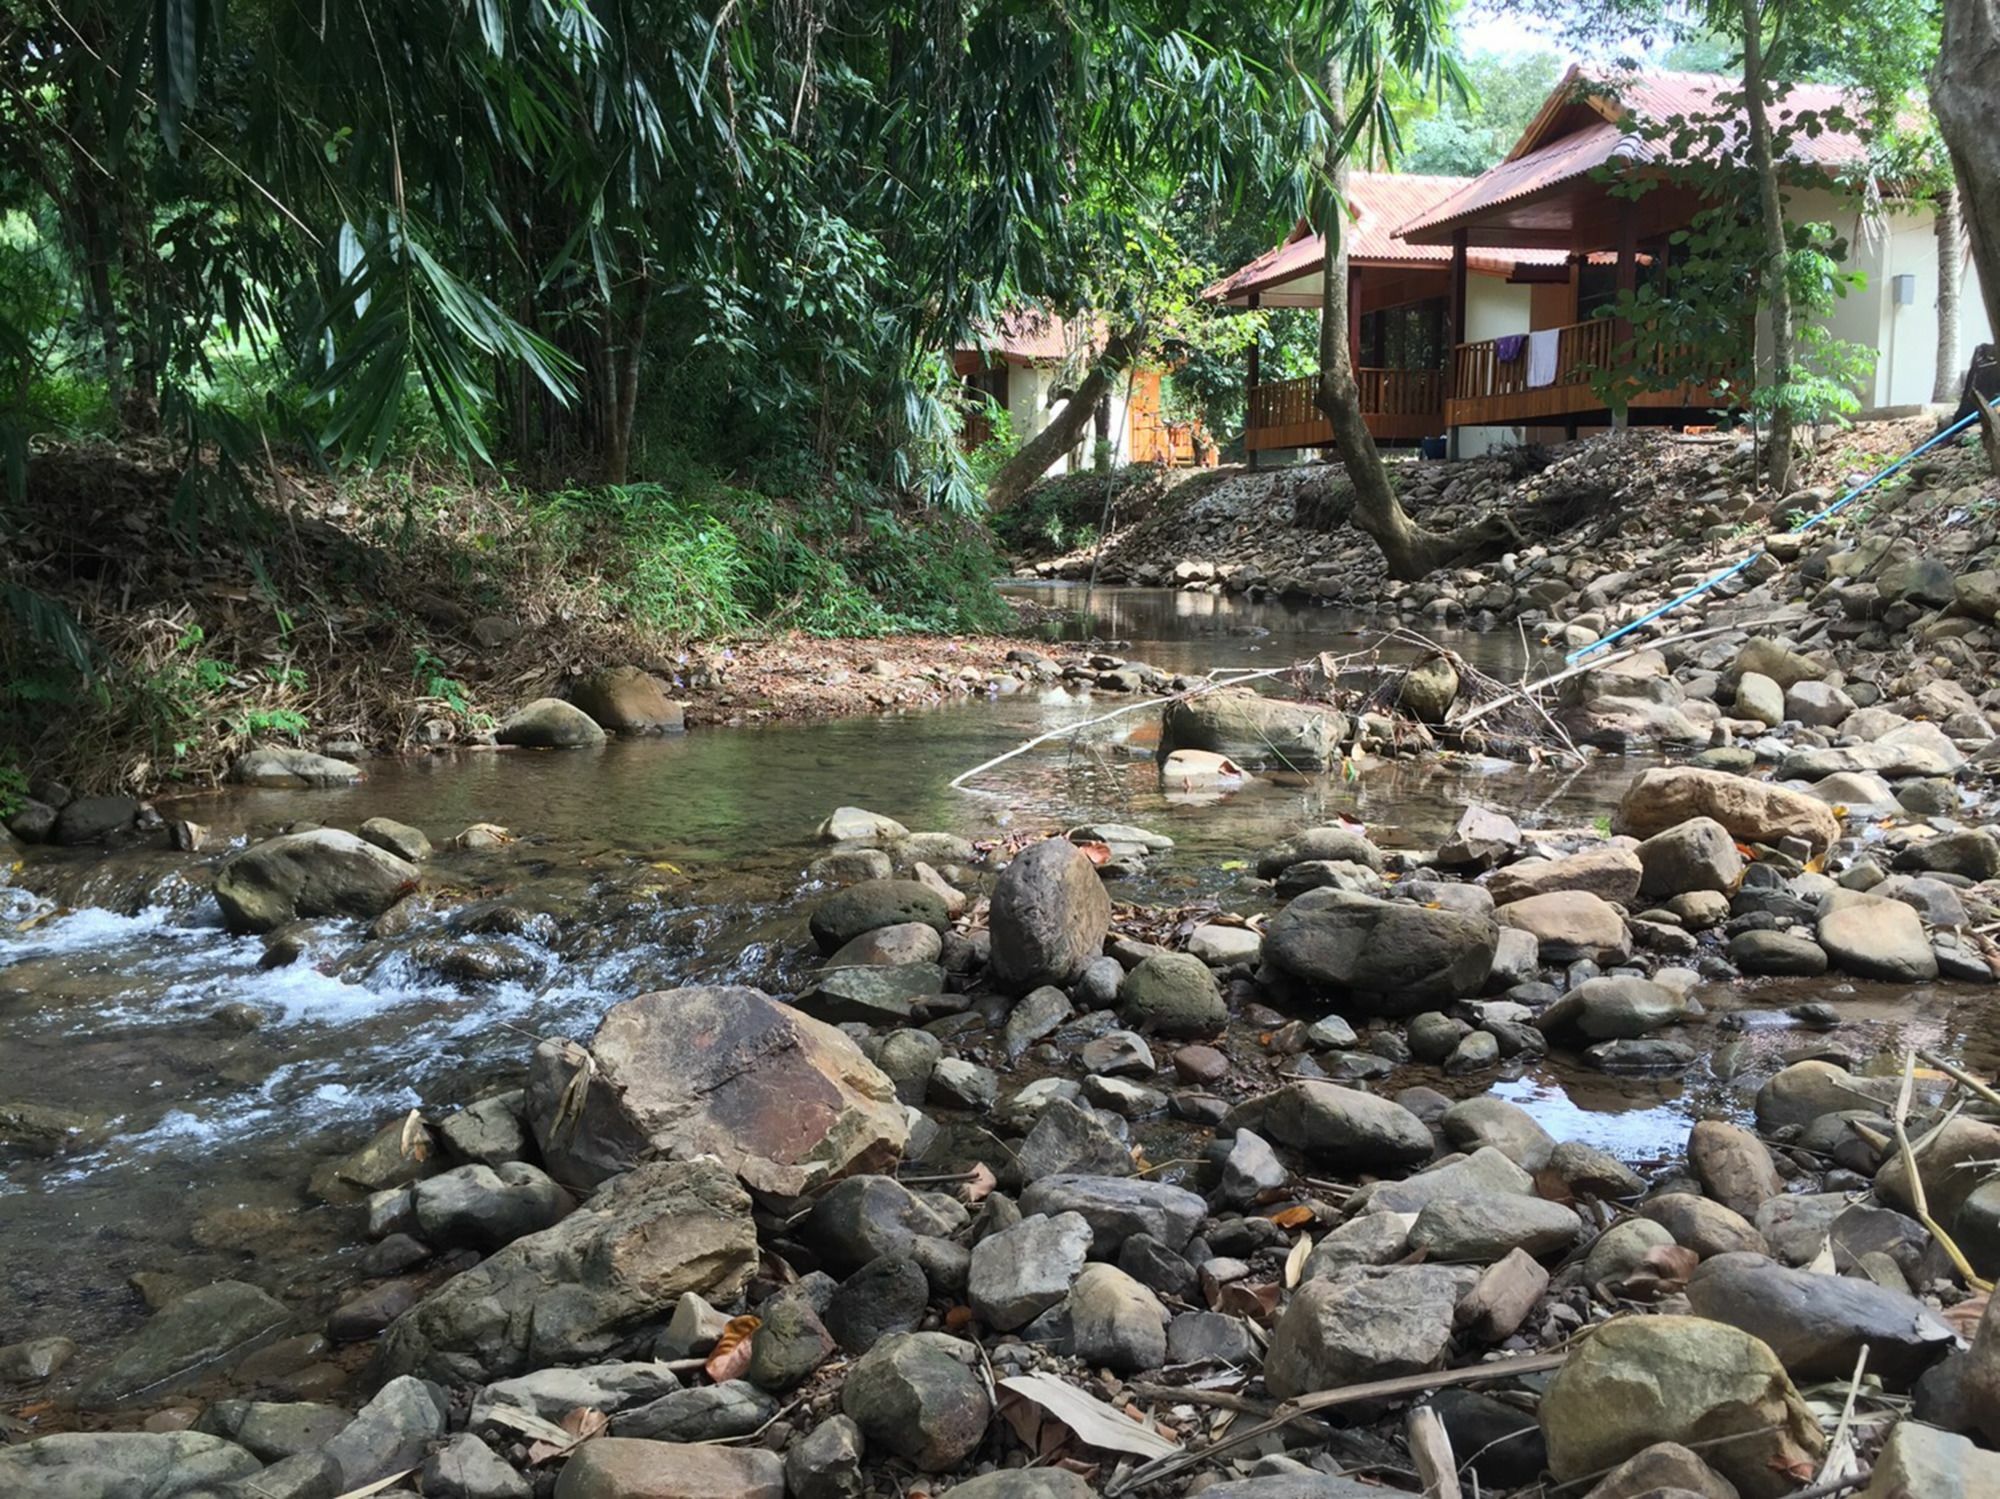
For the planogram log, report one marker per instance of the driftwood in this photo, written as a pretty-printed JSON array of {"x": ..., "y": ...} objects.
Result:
[{"x": 1374, "y": 1389}]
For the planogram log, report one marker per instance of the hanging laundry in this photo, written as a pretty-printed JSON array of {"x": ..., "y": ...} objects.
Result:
[
  {"x": 1542, "y": 349},
  {"x": 1508, "y": 348}
]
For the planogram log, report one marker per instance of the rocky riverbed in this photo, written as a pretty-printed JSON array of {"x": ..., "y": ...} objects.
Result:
[{"x": 1022, "y": 1190}]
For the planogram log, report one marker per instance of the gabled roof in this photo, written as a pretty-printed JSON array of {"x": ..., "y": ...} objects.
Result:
[
  {"x": 1379, "y": 203},
  {"x": 1028, "y": 335},
  {"x": 1588, "y": 122}
]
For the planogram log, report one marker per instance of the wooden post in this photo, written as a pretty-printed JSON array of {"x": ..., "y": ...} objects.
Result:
[
  {"x": 1252, "y": 374},
  {"x": 1628, "y": 281},
  {"x": 1459, "y": 241}
]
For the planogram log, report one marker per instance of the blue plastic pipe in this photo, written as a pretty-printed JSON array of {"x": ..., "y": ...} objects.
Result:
[{"x": 1805, "y": 525}]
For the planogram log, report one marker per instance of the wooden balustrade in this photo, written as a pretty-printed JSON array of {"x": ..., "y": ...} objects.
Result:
[
  {"x": 1489, "y": 391},
  {"x": 1398, "y": 405}
]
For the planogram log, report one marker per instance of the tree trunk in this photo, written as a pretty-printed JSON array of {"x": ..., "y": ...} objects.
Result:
[
  {"x": 1777, "y": 284},
  {"x": 1409, "y": 550},
  {"x": 1964, "y": 85},
  {"x": 1019, "y": 473},
  {"x": 1950, "y": 257},
  {"x": 622, "y": 400}
]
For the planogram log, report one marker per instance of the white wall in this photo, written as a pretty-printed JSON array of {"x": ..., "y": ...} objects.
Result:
[
  {"x": 1493, "y": 309},
  {"x": 1028, "y": 388}
]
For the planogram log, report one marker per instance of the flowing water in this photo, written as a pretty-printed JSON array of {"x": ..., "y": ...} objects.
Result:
[{"x": 214, "y": 1086}]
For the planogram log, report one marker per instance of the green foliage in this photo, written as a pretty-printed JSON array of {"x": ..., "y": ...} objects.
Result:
[
  {"x": 13, "y": 789},
  {"x": 1466, "y": 136}
]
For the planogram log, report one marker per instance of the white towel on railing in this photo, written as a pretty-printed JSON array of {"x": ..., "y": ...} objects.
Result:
[{"x": 1542, "y": 346}]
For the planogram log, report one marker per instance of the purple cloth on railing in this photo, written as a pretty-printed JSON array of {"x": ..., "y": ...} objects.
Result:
[{"x": 1508, "y": 349}]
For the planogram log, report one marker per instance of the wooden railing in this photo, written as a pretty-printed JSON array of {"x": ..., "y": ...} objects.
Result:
[
  {"x": 1397, "y": 404},
  {"x": 1169, "y": 444},
  {"x": 1478, "y": 370}
]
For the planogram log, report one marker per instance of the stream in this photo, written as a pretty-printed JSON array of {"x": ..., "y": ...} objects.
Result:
[{"x": 217, "y": 1085}]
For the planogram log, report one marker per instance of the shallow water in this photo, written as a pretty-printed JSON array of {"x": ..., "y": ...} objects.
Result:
[{"x": 671, "y": 861}]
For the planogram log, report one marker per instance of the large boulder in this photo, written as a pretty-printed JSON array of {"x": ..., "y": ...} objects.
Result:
[
  {"x": 782, "y": 1100},
  {"x": 1338, "y": 1127},
  {"x": 573, "y": 1292},
  {"x": 1049, "y": 916},
  {"x": 1570, "y": 924},
  {"x": 1395, "y": 957},
  {"x": 912, "y": 1395},
  {"x": 1874, "y": 938},
  {"x": 1697, "y": 854},
  {"x": 1362, "y": 1323},
  {"x": 324, "y": 872},
  {"x": 1174, "y": 994},
  {"x": 1703, "y": 1384},
  {"x": 198, "y": 1332},
  {"x": 1751, "y": 811},
  {"x": 291, "y": 769},
  {"x": 1611, "y": 873},
  {"x": 1255, "y": 730},
  {"x": 549, "y": 723},
  {"x": 626, "y": 700},
  {"x": 870, "y": 905},
  {"x": 1818, "y": 1324},
  {"x": 121, "y": 1465},
  {"x": 1617, "y": 1006}
]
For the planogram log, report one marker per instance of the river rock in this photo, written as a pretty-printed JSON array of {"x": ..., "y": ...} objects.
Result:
[
  {"x": 1570, "y": 924},
  {"x": 1608, "y": 1009},
  {"x": 1800, "y": 1093},
  {"x": 88, "y": 819},
  {"x": 859, "y": 1220},
  {"x": 826, "y": 1462},
  {"x": 1610, "y": 874},
  {"x": 1955, "y": 1161},
  {"x": 631, "y": 1468},
  {"x": 273, "y": 1430},
  {"x": 790, "y": 1343},
  {"x": 1394, "y": 957},
  {"x": 466, "y": 1468},
  {"x": 554, "y": 1393},
  {"x": 627, "y": 700},
  {"x": 1254, "y": 730},
  {"x": 1776, "y": 954},
  {"x": 1482, "y": 838},
  {"x": 1697, "y": 854},
  {"x": 1364, "y": 1322},
  {"x": 1643, "y": 1380},
  {"x": 1049, "y": 917},
  {"x": 398, "y": 838},
  {"x": 1665, "y": 1470},
  {"x": 1119, "y": 1208},
  {"x": 1973, "y": 853},
  {"x": 37, "y": 1359},
  {"x": 1781, "y": 663},
  {"x": 1173, "y": 994},
  {"x": 1333, "y": 844},
  {"x": 885, "y": 996},
  {"x": 121, "y": 1465},
  {"x": 388, "y": 1436},
  {"x": 571, "y": 1292},
  {"x": 200, "y": 1330},
  {"x": 1026, "y": 1483},
  {"x": 1480, "y": 1228},
  {"x": 1751, "y": 811},
  {"x": 1816, "y": 1324},
  {"x": 870, "y": 905},
  {"x": 1621, "y": 1248},
  {"x": 1020, "y": 1272},
  {"x": 485, "y": 1207},
  {"x": 1485, "y": 1171},
  {"x": 1921, "y": 1460},
  {"x": 858, "y": 825},
  {"x": 549, "y": 723},
  {"x": 886, "y": 1295},
  {"x": 706, "y": 1413},
  {"x": 1875, "y": 938},
  {"x": 1509, "y": 1128},
  {"x": 324, "y": 872},
  {"x": 781, "y": 1099},
  {"x": 1115, "y": 1322},
  {"x": 1338, "y": 1127},
  {"x": 1733, "y": 1166},
  {"x": 279, "y": 768},
  {"x": 913, "y": 1395},
  {"x": 1703, "y": 1225},
  {"x": 1759, "y": 698}
]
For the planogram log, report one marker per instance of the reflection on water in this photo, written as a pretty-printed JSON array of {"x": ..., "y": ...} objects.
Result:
[{"x": 213, "y": 1085}]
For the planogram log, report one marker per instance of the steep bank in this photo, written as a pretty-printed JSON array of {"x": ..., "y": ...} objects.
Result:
[{"x": 156, "y": 625}]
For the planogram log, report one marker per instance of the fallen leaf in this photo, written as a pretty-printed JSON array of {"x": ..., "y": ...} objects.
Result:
[
  {"x": 1094, "y": 1423},
  {"x": 1241, "y": 1299},
  {"x": 1097, "y": 853},
  {"x": 958, "y": 1317},
  {"x": 1964, "y": 1317},
  {"x": 416, "y": 1141},
  {"x": 584, "y": 1422},
  {"x": 732, "y": 1350},
  {"x": 1293, "y": 1217},
  {"x": 979, "y": 1184},
  {"x": 1295, "y": 1262}
]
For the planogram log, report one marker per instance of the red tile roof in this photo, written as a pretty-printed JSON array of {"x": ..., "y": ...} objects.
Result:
[
  {"x": 1544, "y": 160},
  {"x": 1029, "y": 334},
  {"x": 1380, "y": 202}
]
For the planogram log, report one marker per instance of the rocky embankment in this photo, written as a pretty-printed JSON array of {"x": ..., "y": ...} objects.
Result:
[{"x": 1022, "y": 1194}]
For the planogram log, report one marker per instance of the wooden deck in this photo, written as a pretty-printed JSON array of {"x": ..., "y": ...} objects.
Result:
[
  {"x": 1398, "y": 405},
  {"x": 1487, "y": 392}
]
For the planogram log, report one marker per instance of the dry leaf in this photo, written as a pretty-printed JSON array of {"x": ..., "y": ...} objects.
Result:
[
  {"x": 1094, "y": 1423},
  {"x": 416, "y": 1142},
  {"x": 584, "y": 1422},
  {"x": 1241, "y": 1299},
  {"x": 1663, "y": 1272},
  {"x": 1293, "y": 1217},
  {"x": 732, "y": 1350},
  {"x": 1295, "y": 1262},
  {"x": 958, "y": 1318},
  {"x": 1097, "y": 853},
  {"x": 979, "y": 1184},
  {"x": 1964, "y": 1318}
]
